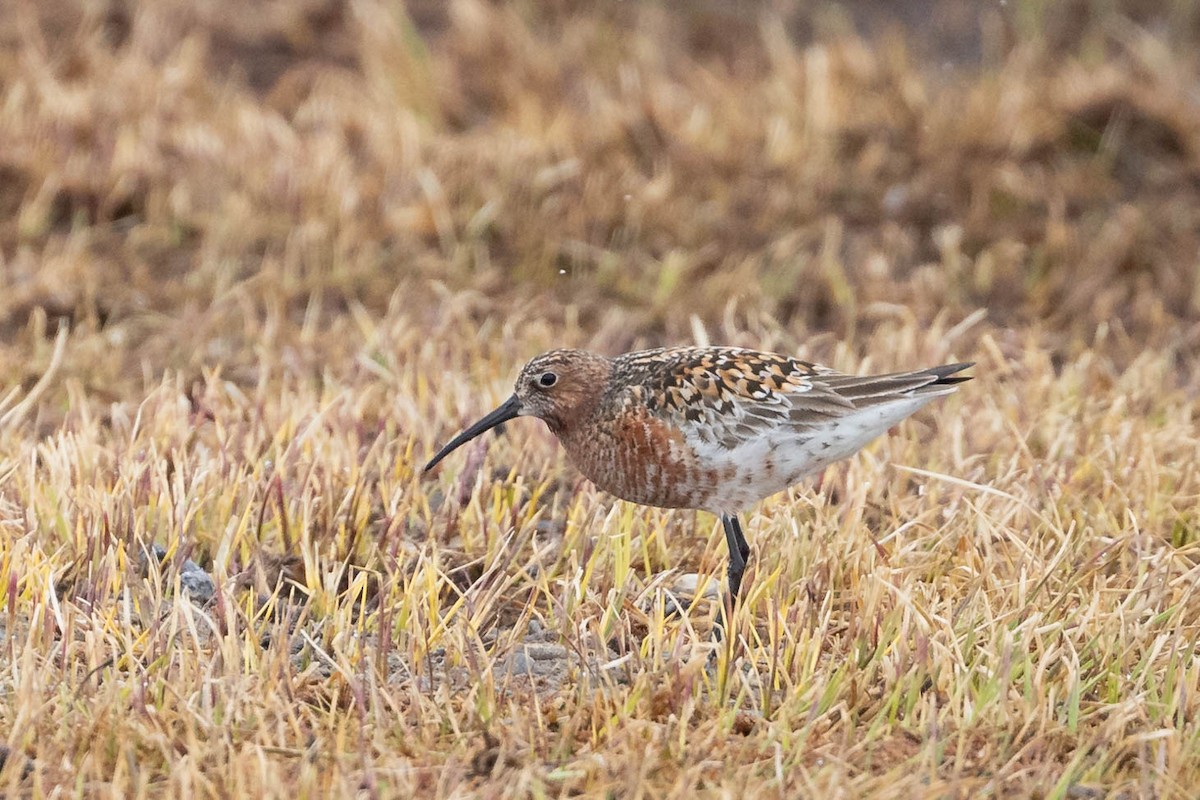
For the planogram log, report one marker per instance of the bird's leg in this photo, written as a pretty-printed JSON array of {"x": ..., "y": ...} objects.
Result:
[
  {"x": 743, "y": 545},
  {"x": 739, "y": 552}
]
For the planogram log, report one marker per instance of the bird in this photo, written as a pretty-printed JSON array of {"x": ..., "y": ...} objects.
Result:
[{"x": 710, "y": 428}]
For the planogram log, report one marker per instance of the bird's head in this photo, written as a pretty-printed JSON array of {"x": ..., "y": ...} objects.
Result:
[{"x": 559, "y": 387}]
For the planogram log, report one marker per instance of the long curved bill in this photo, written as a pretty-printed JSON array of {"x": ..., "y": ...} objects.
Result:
[{"x": 509, "y": 410}]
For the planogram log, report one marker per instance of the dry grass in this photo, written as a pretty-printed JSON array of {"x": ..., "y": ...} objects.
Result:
[{"x": 257, "y": 260}]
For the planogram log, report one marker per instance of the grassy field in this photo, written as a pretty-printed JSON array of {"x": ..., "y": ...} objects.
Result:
[{"x": 258, "y": 260}]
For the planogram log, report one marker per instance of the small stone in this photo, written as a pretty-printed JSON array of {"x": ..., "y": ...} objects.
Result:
[
  {"x": 199, "y": 586},
  {"x": 551, "y": 527},
  {"x": 537, "y": 658},
  {"x": 545, "y": 651},
  {"x": 195, "y": 582},
  {"x": 520, "y": 664},
  {"x": 686, "y": 586}
]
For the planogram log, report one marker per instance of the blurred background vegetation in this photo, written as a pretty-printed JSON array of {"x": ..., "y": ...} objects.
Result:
[{"x": 192, "y": 183}]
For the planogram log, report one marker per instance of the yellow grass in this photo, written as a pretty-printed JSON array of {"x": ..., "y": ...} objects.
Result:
[{"x": 258, "y": 260}]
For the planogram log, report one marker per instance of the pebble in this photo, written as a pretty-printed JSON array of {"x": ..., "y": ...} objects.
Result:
[
  {"x": 537, "y": 658},
  {"x": 194, "y": 581}
]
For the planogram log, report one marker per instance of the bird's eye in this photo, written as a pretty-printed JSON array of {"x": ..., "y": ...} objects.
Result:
[{"x": 548, "y": 379}]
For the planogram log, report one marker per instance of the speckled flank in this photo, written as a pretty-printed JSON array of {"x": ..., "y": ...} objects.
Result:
[{"x": 638, "y": 457}]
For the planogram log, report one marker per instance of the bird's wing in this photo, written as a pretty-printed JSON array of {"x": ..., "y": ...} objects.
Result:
[
  {"x": 728, "y": 396},
  {"x": 725, "y": 396}
]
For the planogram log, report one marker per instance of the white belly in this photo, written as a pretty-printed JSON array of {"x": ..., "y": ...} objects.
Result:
[{"x": 768, "y": 464}]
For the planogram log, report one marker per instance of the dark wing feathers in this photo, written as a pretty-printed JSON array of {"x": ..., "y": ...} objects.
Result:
[
  {"x": 727, "y": 395},
  {"x": 865, "y": 390}
]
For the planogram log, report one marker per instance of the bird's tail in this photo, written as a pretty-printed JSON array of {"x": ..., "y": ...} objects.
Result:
[{"x": 869, "y": 390}]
